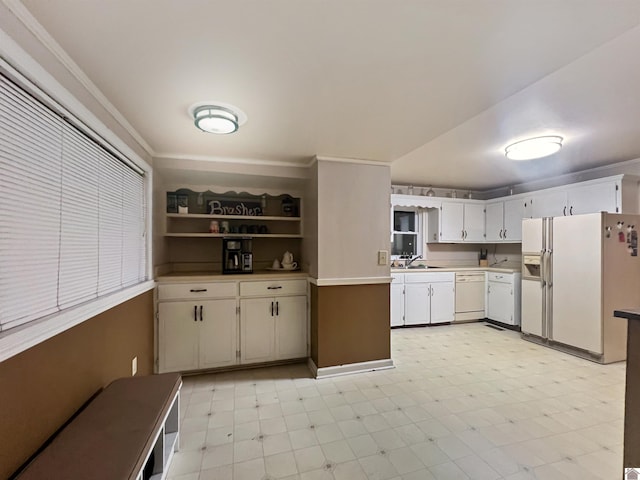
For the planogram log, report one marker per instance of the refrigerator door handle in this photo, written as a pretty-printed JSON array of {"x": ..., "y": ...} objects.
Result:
[{"x": 542, "y": 269}]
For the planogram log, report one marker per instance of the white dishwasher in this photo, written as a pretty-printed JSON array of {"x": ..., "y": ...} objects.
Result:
[{"x": 470, "y": 296}]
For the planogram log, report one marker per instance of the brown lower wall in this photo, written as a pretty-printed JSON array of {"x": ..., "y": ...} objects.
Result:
[
  {"x": 349, "y": 324},
  {"x": 45, "y": 385}
]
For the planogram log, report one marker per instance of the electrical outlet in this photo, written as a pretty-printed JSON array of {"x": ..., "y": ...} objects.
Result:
[
  {"x": 134, "y": 366},
  {"x": 383, "y": 257}
]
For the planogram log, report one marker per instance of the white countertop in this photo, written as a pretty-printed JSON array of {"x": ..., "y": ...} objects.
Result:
[
  {"x": 456, "y": 269},
  {"x": 217, "y": 276}
]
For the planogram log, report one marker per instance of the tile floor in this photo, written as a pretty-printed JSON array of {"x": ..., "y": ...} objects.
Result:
[{"x": 464, "y": 402}]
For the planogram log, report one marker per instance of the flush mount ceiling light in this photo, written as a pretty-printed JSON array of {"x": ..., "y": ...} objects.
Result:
[
  {"x": 531, "y": 148},
  {"x": 217, "y": 117}
]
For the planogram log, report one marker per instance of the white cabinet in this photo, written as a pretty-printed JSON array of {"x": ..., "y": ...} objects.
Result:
[
  {"x": 616, "y": 194},
  {"x": 443, "y": 301},
  {"x": 257, "y": 330},
  {"x": 196, "y": 334},
  {"x": 273, "y": 327},
  {"x": 503, "y": 297},
  {"x": 178, "y": 337},
  {"x": 291, "y": 327},
  {"x": 474, "y": 222},
  {"x": 504, "y": 220},
  {"x": 592, "y": 198},
  {"x": 494, "y": 221},
  {"x": 451, "y": 222},
  {"x": 397, "y": 299},
  {"x": 514, "y": 212},
  {"x": 417, "y": 303},
  {"x": 548, "y": 203},
  {"x": 422, "y": 298},
  {"x": 199, "y": 330},
  {"x": 460, "y": 221}
]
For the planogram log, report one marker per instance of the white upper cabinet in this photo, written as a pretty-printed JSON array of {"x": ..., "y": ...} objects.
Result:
[
  {"x": 514, "y": 212},
  {"x": 474, "y": 222},
  {"x": 549, "y": 203},
  {"x": 494, "y": 221},
  {"x": 504, "y": 220},
  {"x": 499, "y": 220},
  {"x": 599, "y": 197},
  {"x": 460, "y": 222},
  {"x": 451, "y": 222}
]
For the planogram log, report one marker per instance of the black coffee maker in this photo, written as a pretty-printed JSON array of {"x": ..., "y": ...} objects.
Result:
[{"x": 236, "y": 255}]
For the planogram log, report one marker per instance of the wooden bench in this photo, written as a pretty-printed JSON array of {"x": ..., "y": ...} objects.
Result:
[{"x": 128, "y": 431}]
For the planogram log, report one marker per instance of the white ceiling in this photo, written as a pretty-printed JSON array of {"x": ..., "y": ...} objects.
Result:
[{"x": 438, "y": 87}]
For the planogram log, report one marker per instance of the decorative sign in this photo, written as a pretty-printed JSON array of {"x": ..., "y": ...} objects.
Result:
[{"x": 235, "y": 207}]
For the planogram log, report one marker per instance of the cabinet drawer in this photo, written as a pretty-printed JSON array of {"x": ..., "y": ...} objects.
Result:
[
  {"x": 429, "y": 277},
  {"x": 397, "y": 277},
  {"x": 500, "y": 277},
  {"x": 197, "y": 290},
  {"x": 273, "y": 287}
]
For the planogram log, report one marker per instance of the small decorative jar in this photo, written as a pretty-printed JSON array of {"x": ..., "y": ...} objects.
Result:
[{"x": 214, "y": 227}]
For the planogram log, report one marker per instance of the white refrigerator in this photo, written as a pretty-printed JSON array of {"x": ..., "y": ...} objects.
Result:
[{"x": 575, "y": 271}]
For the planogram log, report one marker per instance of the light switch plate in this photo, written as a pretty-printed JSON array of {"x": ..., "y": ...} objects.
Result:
[{"x": 383, "y": 257}]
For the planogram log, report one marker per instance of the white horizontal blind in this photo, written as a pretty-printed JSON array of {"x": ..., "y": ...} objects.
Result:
[
  {"x": 133, "y": 245},
  {"x": 72, "y": 227},
  {"x": 78, "y": 277},
  {"x": 110, "y": 225},
  {"x": 30, "y": 184}
]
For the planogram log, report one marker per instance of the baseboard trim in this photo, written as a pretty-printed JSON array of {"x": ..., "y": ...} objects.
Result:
[{"x": 349, "y": 368}]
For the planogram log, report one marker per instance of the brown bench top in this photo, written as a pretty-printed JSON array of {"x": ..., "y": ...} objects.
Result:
[{"x": 109, "y": 439}]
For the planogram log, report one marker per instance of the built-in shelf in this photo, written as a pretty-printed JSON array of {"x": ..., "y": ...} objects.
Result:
[
  {"x": 212, "y": 215},
  {"x": 220, "y": 235},
  {"x": 233, "y": 217}
]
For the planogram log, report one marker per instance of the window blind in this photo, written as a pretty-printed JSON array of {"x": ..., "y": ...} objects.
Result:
[{"x": 72, "y": 226}]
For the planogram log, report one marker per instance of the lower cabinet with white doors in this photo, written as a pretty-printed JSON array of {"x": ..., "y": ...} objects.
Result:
[
  {"x": 422, "y": 298},
  {"x": 224, "y": 323},
  {"x": 503, "y": 298},
  {"x": 270, "y": 326}
]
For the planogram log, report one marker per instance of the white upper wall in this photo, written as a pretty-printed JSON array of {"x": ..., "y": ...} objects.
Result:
[{"x": 353, "y": 219}]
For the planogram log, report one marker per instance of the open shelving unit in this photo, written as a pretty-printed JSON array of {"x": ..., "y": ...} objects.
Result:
[{"x": 263, "y": 225}]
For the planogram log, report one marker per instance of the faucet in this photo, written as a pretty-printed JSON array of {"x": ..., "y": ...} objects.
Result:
[{"x": 411, "y": 260}]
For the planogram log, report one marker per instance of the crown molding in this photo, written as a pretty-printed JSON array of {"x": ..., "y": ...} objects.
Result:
[
  {"x": 230, "y": 160},
  {"x": 30, "y": 22},
  {"x": 349, "y": 160}
]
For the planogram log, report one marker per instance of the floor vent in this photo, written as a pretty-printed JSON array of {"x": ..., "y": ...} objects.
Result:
[{"x": 495, "y": 328}]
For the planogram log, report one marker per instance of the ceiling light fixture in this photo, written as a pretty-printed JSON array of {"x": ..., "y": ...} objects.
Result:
[
  {"x": 531, "y": 148},
  {"x": 217, "y": 117}
]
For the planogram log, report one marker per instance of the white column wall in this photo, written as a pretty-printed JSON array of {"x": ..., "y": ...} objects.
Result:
[{"x": 353, "y": 219}]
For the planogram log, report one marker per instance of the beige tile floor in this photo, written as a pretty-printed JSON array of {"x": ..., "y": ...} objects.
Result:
[{"x": 464, "y": 402}]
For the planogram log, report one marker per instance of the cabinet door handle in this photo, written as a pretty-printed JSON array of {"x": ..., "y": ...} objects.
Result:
[
  {"x": 571, "y": 210},
  {"x": 504, "y": 235},
  {"x": 197, "y": 290},
  {"x": 195, "y": 313},
  {"x": 274, "y": 288},
  {"x": 462, "y": 233},
  {"x": 272, "y": 309},
  {"x": 500, "y": 234},
  {"x": 564, "y": 211},
  {"x": 277, "y": 308},
  {"x": 432, "y": 291},
  {"x": 200, "y": 312}
]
